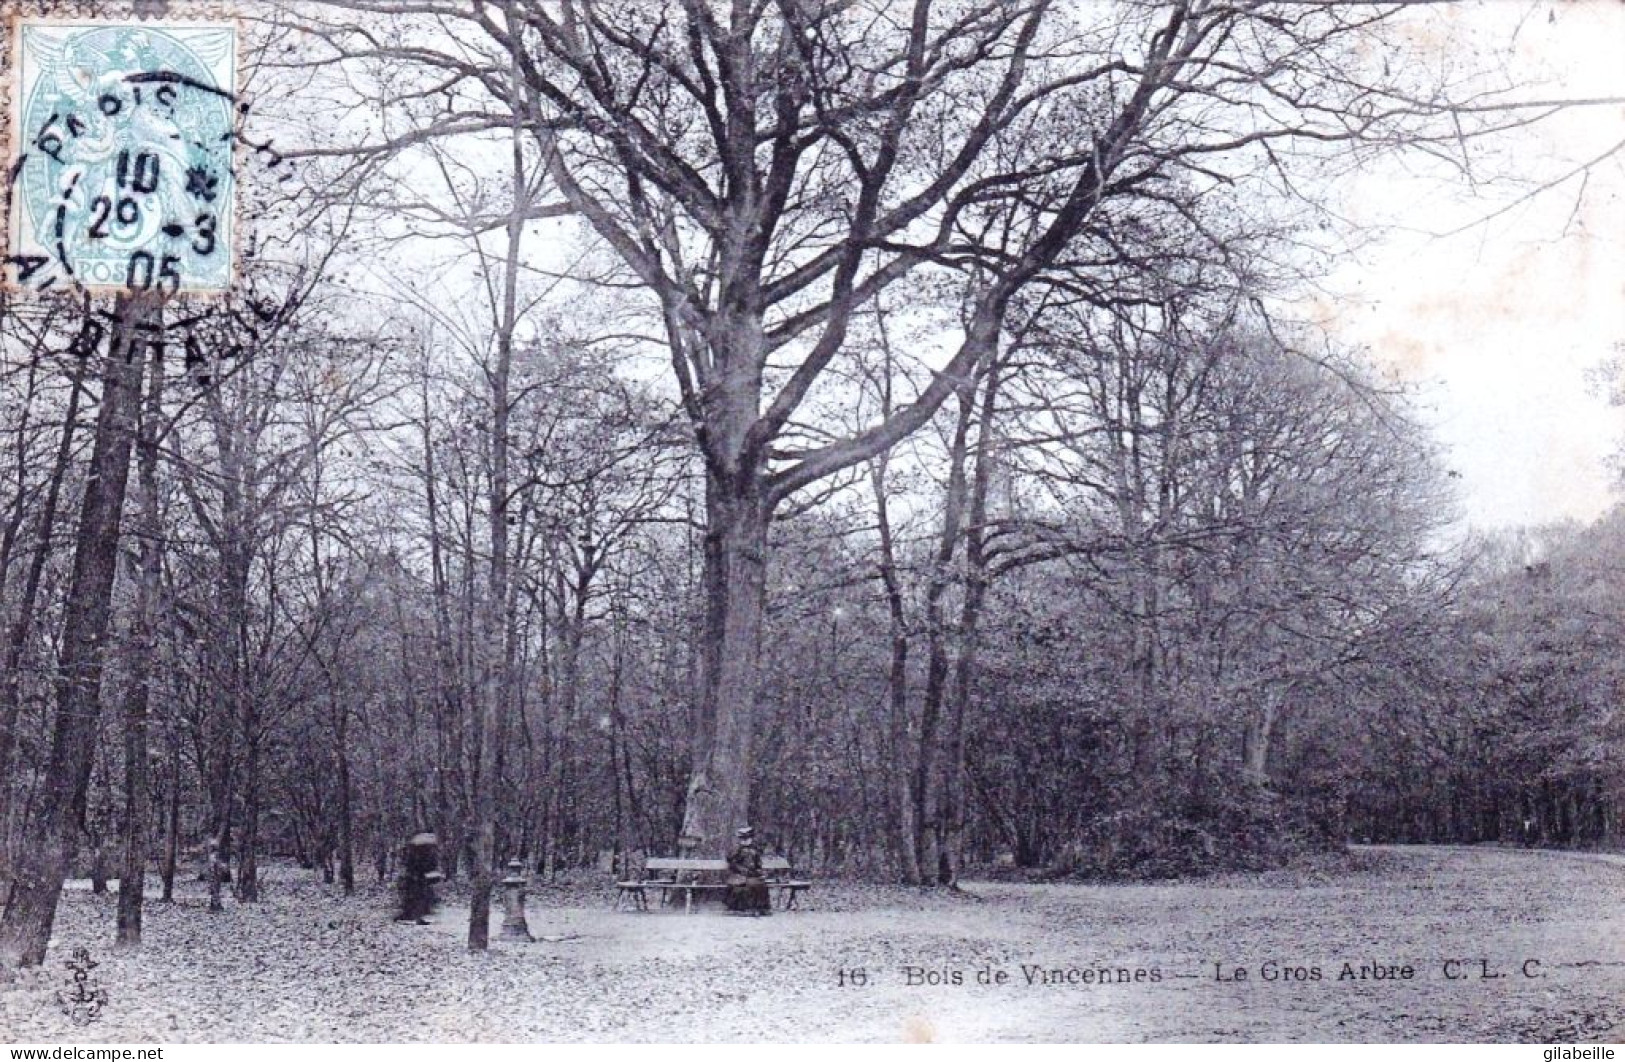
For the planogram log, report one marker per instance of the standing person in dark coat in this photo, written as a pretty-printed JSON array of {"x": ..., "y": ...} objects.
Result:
[
  {"x": 419, "y": 871},
  {"x": 747, "y": 888}
]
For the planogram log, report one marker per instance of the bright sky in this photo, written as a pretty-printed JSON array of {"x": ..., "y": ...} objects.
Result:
[{"x": 1499, "y": 324}]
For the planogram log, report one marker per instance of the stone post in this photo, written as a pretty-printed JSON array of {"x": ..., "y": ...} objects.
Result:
[{"x": 514, "y": 926}]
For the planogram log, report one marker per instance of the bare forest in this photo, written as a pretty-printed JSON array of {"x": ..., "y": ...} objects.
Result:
[{"x": 891, "y": 425}]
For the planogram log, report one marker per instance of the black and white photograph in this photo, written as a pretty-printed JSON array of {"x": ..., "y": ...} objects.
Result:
[{"x": 781, "y": 521}]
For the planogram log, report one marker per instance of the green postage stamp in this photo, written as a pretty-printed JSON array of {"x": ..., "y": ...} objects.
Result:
[{"x": 121, "y": 155}]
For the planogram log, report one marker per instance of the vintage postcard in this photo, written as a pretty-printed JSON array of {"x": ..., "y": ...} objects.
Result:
[{"x": 538, "y": 521}]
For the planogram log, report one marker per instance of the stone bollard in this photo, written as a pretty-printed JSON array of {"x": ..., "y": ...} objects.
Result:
[{"x": 514, "y": 926}]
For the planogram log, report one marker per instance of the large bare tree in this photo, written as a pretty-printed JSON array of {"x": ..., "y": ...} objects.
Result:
[
  {"x": 765, "y": 169},
  {"x": 25, "y": 927}
]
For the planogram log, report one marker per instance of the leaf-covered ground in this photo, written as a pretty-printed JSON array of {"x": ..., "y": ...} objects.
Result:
[{"x": 307, "y": 964}]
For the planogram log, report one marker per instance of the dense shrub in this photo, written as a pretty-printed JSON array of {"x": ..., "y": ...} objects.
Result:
[{"x": 1230, "y": 828}]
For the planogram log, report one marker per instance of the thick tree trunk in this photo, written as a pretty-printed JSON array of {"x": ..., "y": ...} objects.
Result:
[
  {"x": 27, "y": 604},
  {"x": 25, "y": 928},
  {"x": 735, "y": 587},
  {"x": 143, "y": 645}
]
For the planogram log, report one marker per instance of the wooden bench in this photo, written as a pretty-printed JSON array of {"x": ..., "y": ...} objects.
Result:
[
  {"x": 688, "y": 876},
  {"x": 781, "y": 876}
]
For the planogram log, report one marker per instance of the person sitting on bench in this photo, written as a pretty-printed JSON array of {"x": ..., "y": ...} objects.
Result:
[{"x": 747, "y": 888}]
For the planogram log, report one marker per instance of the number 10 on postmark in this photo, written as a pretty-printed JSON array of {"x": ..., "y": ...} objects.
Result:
[{"x": 121, "y": 138}]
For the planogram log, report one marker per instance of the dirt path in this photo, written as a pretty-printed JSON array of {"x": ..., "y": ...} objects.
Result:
[{"x": 1499, "y": 944}]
